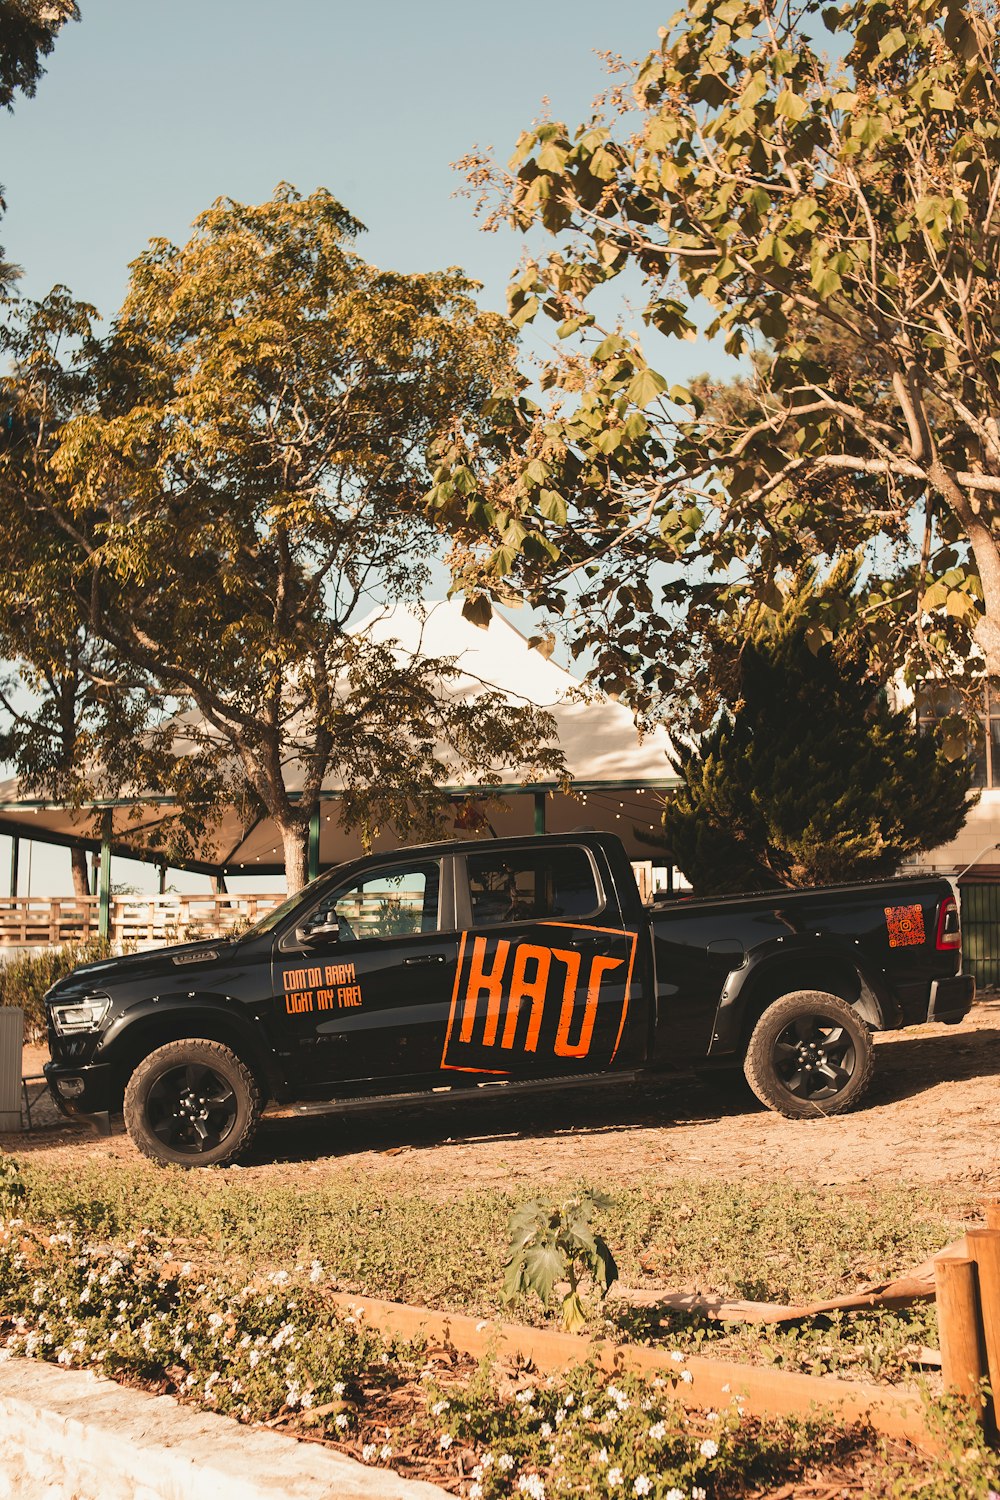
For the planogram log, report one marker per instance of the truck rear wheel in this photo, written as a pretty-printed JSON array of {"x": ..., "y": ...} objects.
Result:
[
  {"x": 809, "y": 1055},
  {"x": 192, "y": 1103}
]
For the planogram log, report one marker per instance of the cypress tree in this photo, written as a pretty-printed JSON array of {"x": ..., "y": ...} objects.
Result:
[{"x": 808, "y": 775}]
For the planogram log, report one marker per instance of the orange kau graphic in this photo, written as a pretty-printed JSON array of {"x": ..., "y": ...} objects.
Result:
[{"x": 515, "y": 999}]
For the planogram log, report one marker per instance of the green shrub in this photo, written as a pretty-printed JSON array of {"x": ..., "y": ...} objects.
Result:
[
  {"x": 554, "y": 1243},
  {"x": 24, "y": 979}
]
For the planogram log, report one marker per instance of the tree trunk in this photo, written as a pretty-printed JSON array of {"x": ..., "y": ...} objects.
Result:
[
  {"x": 295, "y": 838},
  {"x": 975, "y": 518},
  {"x": 78, "y": 864}
]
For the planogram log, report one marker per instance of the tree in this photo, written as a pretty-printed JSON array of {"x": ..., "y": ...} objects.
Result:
[
  {"x": 808, "y": 776},
  {"x": 66, "y": 718},
  {"x": 246, "y": 481},
  {"x": 807, "y": 205},
  {"x": 28, "y": 31}
]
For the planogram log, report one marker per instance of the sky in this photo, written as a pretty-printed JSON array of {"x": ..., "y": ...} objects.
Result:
[{"x": 150, "y": 111}]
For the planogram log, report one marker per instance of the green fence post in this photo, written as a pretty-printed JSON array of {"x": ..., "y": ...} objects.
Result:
[
  {"x": 104, "y": 881},
  {"x": 539, "y": 812}
]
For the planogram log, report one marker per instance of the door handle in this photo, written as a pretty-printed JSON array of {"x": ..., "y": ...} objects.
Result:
[{"x": 426, "y": 958}]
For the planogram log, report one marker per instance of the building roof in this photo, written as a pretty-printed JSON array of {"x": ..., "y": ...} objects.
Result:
[{"x": 611, "y": 766}]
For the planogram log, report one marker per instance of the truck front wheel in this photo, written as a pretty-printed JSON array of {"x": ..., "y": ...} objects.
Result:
[
  {"x": 192, "y": 1103},
  {"x": 809, "y": 1055}
]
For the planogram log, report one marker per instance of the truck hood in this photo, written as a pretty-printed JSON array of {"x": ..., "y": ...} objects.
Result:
[{"x": 132, "y": 966}]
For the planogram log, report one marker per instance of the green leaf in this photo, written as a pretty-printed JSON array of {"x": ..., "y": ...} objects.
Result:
[
  {"x": 790, "y": 106},
  {"x": 645, "y": 386},
  {"x": 892, "y": 42},
  {"x": 607, "y": 348},
  {"x": 552, "y": 506},
  {"x": 552, "y": 158},
  {"x": 544, "y": 1265},
  {"x": 536, "y": 472},
  {"x": 478, "y": 609}
]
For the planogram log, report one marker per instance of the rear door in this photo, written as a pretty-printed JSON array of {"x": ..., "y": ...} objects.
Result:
[
  {"x": 544, "y": 969},
  {"x": 373, "y": 1004}
]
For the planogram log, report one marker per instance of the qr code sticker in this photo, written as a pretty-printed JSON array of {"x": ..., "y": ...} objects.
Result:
[{"x": 906, "y": 926}]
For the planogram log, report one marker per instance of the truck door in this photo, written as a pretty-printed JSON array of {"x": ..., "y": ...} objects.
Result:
[
  {"x": 544, "y": 970},
  {"x": 371, "y": 1002}
]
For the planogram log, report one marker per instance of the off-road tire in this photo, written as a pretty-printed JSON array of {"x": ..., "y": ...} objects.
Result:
[
  {"x": 782, "y": 1036},
  {"x": 206, "y": 1060}
]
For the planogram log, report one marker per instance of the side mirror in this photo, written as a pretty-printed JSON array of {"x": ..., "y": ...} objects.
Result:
[{"x": 317, "y": 933}]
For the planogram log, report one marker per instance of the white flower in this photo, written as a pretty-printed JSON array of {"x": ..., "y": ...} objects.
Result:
[
  {"x": 642, "y": 1485},
  {"x": 338, "y": 1388},
  {"x": 439, "y": 1407},
  {"x": 677, "y": 1356},
  {"x": 385, "y": 1453},
  {"x": 532, "y": 1484},
  {"x": 658, "y": 1431},
  {"x": 505, "y": 1462},
  {"x": 546, "y": 1429},
  {"x": 569, "y": 1400},
  {"x": 601, "y": 1456},
  {"x": 709, "y": 1448},
  {"x": 586, "y": 1412},
  {"x": 306, "y": 1401},
  {"x": 675, "y": 1494},
  {"x": 687, "y": 1377},
  {"x": 475, "y": 1492},
  {"x": 340, "y": 1421},
  {"x": 614, "y": 1478},
  {"x": 368, "y": 1452},
  {"x": 445, "y": 1440},
  {"x": 315, "y": 1271},
  {"x": 523, "y": 1397},
  {"x": 698, "y": 1493}
]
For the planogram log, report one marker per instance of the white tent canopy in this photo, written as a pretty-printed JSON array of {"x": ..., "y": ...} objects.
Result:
[{"x": 614, "y": 771}]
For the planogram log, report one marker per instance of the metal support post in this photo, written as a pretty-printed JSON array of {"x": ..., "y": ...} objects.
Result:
[
  {"x": 314, "y": 844},
  {"x": 15, "y": 859},
  {"x": 104, "y": 881}
]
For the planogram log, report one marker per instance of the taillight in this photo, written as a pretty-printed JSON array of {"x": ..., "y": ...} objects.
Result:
[{"x": 949, "y": 931}]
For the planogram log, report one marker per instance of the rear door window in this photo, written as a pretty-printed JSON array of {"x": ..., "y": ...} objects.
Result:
[{"x": 524, "y": 886}]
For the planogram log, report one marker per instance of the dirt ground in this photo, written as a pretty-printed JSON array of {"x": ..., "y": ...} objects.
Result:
[{"x": 932, "y": 1116}]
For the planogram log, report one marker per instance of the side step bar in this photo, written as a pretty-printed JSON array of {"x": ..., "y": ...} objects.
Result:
[{"x": 447, "y": 1093}]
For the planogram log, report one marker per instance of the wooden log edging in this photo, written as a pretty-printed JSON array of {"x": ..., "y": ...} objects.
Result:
[{"x": 760, "y": 1390}]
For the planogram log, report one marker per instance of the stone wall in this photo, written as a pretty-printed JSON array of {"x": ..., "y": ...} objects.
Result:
[{"x": 68, "y": 1435}]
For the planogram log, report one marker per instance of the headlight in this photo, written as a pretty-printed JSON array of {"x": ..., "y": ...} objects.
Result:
[{"x": 80, "y": 1015}]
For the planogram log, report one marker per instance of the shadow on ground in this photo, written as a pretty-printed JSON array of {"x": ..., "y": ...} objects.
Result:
[{"x": 907, "y": 1066}]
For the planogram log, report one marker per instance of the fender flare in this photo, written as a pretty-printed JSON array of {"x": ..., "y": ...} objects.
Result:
[
  {"x": 152, "y": 1022},
  {"x": 797, "y": 954}
]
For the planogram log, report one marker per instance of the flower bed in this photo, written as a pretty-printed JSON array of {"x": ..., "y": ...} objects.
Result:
[{"x": 276, "y": 1351}]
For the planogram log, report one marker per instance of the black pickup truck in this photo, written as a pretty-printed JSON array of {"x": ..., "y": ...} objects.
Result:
[{"x": 514, "y": 961}]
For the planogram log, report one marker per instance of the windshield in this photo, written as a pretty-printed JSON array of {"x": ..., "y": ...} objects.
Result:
[{"x": 270, "y": 920}]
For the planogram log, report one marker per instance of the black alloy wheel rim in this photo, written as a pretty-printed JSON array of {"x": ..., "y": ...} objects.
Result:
[
  {"x": 815, "y": 1058},
  {"x": 191, "y": 1109}
]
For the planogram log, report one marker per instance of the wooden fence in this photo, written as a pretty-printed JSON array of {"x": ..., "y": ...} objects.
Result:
[{"x": 140, "y": 921}]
